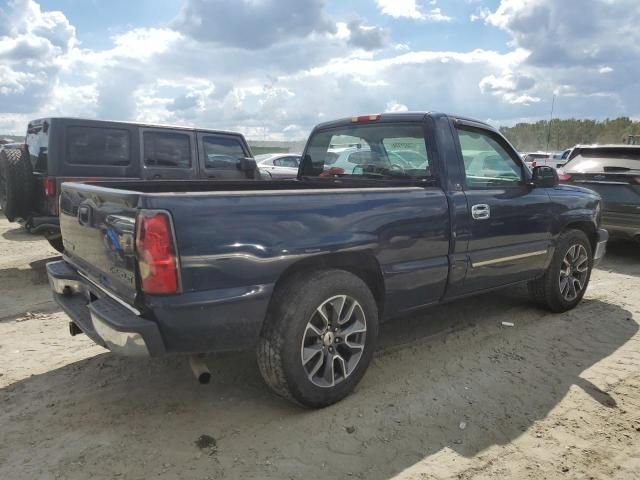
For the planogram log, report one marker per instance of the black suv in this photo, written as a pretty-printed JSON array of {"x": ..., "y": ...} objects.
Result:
[{"x": 65, "y": 149}]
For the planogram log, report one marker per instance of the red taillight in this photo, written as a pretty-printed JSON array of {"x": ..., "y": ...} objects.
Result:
[
  {"x": 49, "y": 187},
  {"x": 365, "y": 118},
  {"x": 156, "y": 253},
  {"x": 563, "y": 177},
  {"x": 332, "y": 171}
]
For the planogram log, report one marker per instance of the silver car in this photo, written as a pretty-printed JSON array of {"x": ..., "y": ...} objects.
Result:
[{"x": 279, "y": 165}]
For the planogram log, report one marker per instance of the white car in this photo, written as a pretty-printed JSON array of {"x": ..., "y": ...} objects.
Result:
[
  {"x": 535, "y": 159},
  {"x": 352, "y": 159},
  {"x": 279, "y": 165}
]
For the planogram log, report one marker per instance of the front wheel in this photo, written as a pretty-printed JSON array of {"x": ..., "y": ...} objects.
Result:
[
  {"x": 319, "y": 336},
  {"x": 565, "y": 282}
]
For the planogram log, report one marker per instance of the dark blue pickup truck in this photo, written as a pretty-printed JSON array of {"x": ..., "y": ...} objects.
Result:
[{"x": 389, "y": 213}]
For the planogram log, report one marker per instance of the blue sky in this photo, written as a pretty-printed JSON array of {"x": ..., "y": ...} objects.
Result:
[{"x": 274, "y": 68}]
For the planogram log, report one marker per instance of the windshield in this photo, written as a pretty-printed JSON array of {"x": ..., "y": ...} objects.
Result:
[{"x": 387, "y": 150}]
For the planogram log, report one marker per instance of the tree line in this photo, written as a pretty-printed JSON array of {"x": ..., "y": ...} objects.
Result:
[{"x": 528, "y": 137}]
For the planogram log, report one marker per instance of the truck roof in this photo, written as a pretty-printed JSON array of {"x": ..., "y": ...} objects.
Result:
[
  {"x": 608, "y": 146},
  {"x": 38, "y": 121},
  {"x": 403, "y": 116}
]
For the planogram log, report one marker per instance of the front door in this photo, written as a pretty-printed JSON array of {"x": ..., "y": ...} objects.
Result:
[{"x": 509, "y": 220}]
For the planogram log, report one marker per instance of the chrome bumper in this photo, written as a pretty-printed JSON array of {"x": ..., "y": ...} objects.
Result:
[{"x": 107, "y": 320}]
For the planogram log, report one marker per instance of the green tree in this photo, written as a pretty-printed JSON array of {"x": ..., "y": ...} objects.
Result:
[{"x": 528, "y": 137}]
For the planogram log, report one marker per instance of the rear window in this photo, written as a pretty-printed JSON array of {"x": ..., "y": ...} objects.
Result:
[
  {"x": 222, "y": 152},
  {"x": 38, "y": 144},
  {"x": 604, "y": 160},
  {"x": 166, "y": 149},
  {"x": 98, "y": 146},
  {"x": 373, "y": 151}
]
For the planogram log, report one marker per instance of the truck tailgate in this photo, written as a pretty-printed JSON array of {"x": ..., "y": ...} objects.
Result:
[{"x": 98, "y": 232}]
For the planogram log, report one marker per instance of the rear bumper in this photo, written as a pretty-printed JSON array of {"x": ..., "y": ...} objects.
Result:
[
  {"x": 622, "y": 225},
  {"x": 193, "y": 322},
  {"x": 103, "y": 319},
  {"x": 601, "y": 246}
]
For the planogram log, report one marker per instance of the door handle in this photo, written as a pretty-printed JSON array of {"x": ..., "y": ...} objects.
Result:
[
  {"x": 84, "y": 214},
  {"x": 480, "y": 211}
]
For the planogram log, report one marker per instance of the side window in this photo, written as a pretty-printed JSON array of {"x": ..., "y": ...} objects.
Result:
[
  {"x": 486, "y": 163},
  {"x": 97, "y": 146},
  {"x": 167, "y": 149},
  {"x": 222, "y": 152}
]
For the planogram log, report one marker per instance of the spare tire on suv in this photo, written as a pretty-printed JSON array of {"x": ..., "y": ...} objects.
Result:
[{"x": 16, "y": 183}]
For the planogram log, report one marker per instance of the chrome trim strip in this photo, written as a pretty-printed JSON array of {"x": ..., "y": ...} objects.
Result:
[
  {"x": 508, "y": 259},
  {"x": 106, "y": 292},
  {"x": 310, "y": 191}
]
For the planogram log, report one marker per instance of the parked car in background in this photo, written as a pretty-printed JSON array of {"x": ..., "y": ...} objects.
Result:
[
  {"x": 561, "y": 157},
  {"x": 614, "y": 172},
  {"x": 279, "y": 165},
  {"x": 350, "y": 160},
  {"x": 305, "y": 270},
  {"x": 534, "y": 159},
  {"x": 63, "y": 149},
  {"x": 10, "y": 145}
]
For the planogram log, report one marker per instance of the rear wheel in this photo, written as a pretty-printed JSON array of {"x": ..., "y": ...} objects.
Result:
[
  {"x": 16, "y": 183},
  {"x": 319, "y": 337},
  {"x": 565, "y": 282}
]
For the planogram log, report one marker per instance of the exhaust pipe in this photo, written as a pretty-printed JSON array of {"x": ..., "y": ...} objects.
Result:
[{"x": 200, "y": 369}]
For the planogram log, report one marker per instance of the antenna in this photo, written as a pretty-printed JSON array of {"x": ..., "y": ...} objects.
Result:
[{"x": 553, "y": 102}]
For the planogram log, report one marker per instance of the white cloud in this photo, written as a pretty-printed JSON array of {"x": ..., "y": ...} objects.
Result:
[
  {"x": 183, "y": 74},
  {"x": 395, "y": 107},
  {"x": 365, "y": 36},
  {"x": 572, "y": 43},
  {"x": 411, "y": 9},
  {"x": 250, "y": 23},
  {"x": 512, "y": 87}
]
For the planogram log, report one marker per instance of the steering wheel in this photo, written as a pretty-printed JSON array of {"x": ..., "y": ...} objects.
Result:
[{"x": 397, "y": 167}]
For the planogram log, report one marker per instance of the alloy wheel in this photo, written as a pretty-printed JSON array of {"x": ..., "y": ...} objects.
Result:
[
  {"x": 573, "y": 272},
  {"x": 333, "y": 341}
]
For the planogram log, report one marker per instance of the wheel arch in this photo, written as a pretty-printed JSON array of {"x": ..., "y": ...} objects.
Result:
[
  {"x": 362, "y": 264},
  {"x": 586, "y": 226}
]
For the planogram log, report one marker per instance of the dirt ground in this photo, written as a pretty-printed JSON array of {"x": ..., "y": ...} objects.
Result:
[{"x": 450, "y": 394}]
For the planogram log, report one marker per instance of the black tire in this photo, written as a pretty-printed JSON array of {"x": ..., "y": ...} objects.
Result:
[
  {"x": 56, "y": 243},
  {"x": 547, "y": 291},
  {"x": 16, "y": 184},
  {"x": 293, "y": 308}
]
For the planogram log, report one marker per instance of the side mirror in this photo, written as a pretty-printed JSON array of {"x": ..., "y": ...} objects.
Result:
[
  {"x": 248, "y": 165},
  {"x": 545, "y": 177}
]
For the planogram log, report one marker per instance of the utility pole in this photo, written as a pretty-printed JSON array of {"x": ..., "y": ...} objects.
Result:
[{"x": 553, "y": 102}]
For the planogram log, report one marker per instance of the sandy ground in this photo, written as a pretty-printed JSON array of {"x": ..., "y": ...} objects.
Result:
[{"x": 451, "y": 394}]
